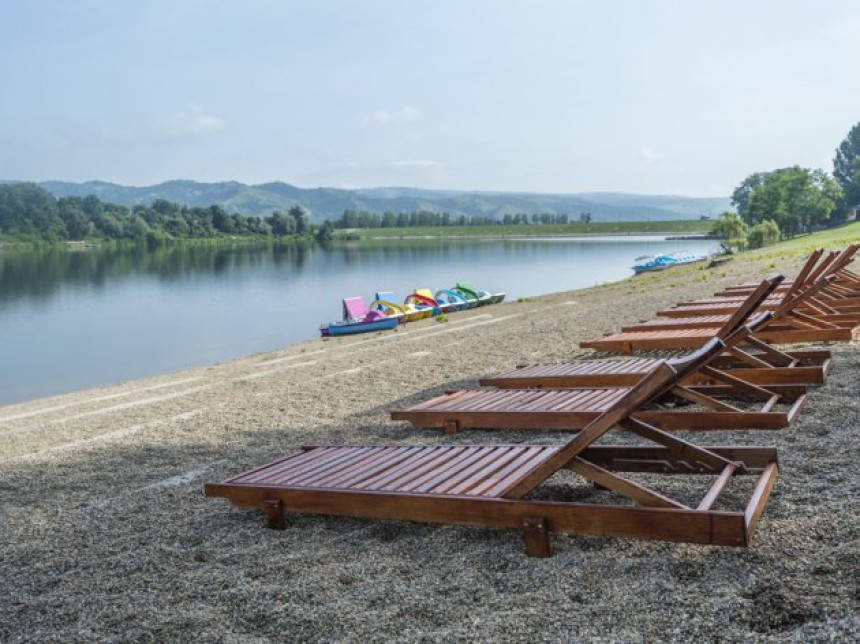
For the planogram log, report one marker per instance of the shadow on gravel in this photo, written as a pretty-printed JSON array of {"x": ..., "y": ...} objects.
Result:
[{"x": 118, "y": 542}]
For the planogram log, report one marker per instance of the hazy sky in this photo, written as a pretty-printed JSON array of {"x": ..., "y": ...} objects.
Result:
[{"x": 640, "y": 96}]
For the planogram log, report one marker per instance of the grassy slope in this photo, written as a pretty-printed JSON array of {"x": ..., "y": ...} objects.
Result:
[{"x": 577, "y": 228}]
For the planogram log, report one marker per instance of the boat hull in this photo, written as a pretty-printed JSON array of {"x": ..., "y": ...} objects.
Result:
[{"x": 351, "y": 328}]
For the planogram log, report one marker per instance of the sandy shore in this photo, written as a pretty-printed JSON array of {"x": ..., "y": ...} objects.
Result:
[{"x": 105, "y": 533}]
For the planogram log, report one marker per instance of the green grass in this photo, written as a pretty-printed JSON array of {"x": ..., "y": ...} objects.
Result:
[
  {"x": 831, "y": 238},
  {"x": 838, "y": 236},
  {"x": 694, "y": 226}
]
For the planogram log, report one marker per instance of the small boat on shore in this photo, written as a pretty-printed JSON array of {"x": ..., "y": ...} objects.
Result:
[
  {"x": 385, "y": 313},
  {"x": 358, "y": 319},
  {"x": 481, "y": 298},
  {"x": 652, "y": 263}
]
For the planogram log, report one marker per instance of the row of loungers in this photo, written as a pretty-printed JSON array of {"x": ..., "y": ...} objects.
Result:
[{"x": 734, "y": 379}]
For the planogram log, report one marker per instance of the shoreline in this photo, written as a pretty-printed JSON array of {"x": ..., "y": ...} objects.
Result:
[
  {"x": 454, "y": 318},
  {"x": 636, "y": 281},
  {"x": 103, "y": 489},
  {"x": 669, "y": 236}
]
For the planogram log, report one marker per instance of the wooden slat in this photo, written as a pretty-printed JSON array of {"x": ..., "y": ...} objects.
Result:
[
  {"x": 371, "y": 466},
  {"x": 330, "y": 468},
  {"x": 397, "y": 477},
  {"x": 429, "y": 481},
  {"x": 487, "y": 459},
  {"x": 492, "y": 467},
  {"x": 497, "y": 485}
]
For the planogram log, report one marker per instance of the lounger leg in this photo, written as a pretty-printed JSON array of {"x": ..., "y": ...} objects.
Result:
[
  {"x": 275, "y": 514},
  {"x": 536, "y": 537},
  {"x": 451, "y": 427}
]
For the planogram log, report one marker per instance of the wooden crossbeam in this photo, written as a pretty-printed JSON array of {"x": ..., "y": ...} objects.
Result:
[
  {"x": 738, "y": 384},
  {"x": 775, "y": 354},
  {"x": 718, "y": 486},
  {"x": 699, "y": 398},
  {"x": 619, "y": 484},
  {"x": 743, "y": 356},
  {"x": 677, "y": 446}
]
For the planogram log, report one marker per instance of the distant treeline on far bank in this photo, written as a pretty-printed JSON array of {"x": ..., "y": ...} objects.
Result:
[{"x": 29, "y": 213}]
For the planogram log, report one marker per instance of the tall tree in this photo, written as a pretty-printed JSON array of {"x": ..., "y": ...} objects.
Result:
[
  {"x": 741, "y": 195},
  {"x": 301, "y": 218},
  {"x": 796, "y": 198},
  {"x": 731, "y": 230},
  {"x": 846, "y": 169}
]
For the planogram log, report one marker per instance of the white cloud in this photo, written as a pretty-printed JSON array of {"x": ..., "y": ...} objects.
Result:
[
  {"x": 386, "y": 117},
  {"x": 192, "y": 120},
  {"x": 417, "y": 163},
  {"x": 649, "y": 155}
]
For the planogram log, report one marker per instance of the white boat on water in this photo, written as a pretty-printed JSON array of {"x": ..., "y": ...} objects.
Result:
[{"x": 650, "y": 263}]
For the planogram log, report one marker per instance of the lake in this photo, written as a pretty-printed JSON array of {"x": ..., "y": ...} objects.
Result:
[{"x": 70, "y": 320}]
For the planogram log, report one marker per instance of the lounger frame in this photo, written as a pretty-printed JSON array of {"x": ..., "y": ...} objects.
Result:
[{"x": 489, "y": 485}]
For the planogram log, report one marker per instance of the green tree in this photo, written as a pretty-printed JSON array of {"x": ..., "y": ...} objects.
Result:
[
  {"x": 846, "y": 170},
  {"x": 300, "y": 216},
  {"x": 763, "y": 233},
  {"x": 741, "y": 195},
  {"x": 325, "y": 233},
  {"x": 138, "y": 229},
  {"x": 731, "y": 230},
  {"x": 797, "y": 199}
]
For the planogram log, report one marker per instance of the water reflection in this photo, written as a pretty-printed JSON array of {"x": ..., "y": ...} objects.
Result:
[{"x": 70, "y": 320}]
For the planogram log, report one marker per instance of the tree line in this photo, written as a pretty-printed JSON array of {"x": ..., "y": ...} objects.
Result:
[
  {"x": 789, "y": 201},
  {"x": 30, "y": 213},
  {"x": 351, "y": 219}
]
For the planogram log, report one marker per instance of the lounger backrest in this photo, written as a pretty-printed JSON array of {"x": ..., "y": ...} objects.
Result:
[
  {"x": 805, "y": 270},
  {"x": 685, "y": 365},
  {"x": 354, "y": 307},
  {"x": 845, "y": 258},
  {"x": 759, "y": 322},
  {"x": 801, "y": 296},
  {"x": 749, "y": 305},
  {"x": 819, "y": 270},
  {"x": 659, "y": 380}
]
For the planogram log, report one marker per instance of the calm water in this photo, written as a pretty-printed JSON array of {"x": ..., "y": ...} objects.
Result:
[{"x": 72, "y": 320}]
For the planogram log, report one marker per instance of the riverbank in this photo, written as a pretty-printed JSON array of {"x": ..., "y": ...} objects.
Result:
[{"x": 106, "y": 534}]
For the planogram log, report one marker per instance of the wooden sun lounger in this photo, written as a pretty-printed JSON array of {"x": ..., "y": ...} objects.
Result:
[
  {"x": 802, "y": 368},
  {"x": 832, "y": 299},
  {"x": 833, "y": 263},
  {"x": 488, "y": 485},
  {"x": 789, "y": 324},
  {"x": 757, "y": 363},
  {"x": 691, "y": 407},
  {"x": 796, "y": 311}
]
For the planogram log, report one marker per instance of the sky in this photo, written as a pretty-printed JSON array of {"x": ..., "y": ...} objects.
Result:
[{"x": 643, "y": 96}]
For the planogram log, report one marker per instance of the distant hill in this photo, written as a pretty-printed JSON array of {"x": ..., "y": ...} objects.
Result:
[{"x": 329, "y": 203}]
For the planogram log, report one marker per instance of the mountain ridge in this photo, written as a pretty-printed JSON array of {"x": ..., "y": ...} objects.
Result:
[{"x": 329, "y": 203}]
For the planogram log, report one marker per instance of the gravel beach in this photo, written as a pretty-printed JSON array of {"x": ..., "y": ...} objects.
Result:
[{"x": 105, "y": 534}]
